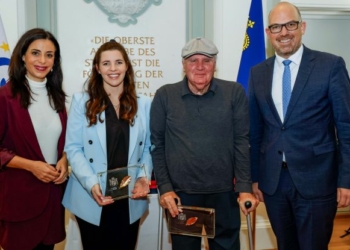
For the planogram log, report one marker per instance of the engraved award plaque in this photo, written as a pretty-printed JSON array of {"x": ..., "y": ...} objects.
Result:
[
  {"x": 119, "y": 182},
  {"x": 193, "y": 221}
]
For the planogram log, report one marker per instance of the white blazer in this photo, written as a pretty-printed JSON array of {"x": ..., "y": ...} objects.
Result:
[{"x": 87, "y": 155}]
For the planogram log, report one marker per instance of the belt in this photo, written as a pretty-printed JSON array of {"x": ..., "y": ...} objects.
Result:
[{"x": 284, "y": 165}]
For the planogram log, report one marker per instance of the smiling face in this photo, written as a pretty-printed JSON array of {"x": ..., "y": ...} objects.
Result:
[
  {"x": 112, "y": 68},
  {"x": 199, "y": 70},
  {"x": 39, "y": 59},
  {"x": 285, "y": 43}
]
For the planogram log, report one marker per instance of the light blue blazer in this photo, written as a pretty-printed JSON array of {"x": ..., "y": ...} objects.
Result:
[{"x": 87, "y": 155}]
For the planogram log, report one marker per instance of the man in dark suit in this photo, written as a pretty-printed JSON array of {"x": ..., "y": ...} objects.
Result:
[{"x": 300, "y": 140}]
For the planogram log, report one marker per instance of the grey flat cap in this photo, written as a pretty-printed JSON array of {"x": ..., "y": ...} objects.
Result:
[{"x": 201, "y": 46}]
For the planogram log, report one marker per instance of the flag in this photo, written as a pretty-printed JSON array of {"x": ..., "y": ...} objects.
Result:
[
  {"x": 4, "y": 56},
  {"x": 254, "y": 43}
]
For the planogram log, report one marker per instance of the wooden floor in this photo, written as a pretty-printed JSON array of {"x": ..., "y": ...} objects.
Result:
[{"x": 341, "y": 223}]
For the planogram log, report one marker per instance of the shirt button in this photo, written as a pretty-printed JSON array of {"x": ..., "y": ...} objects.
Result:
[
  {"x": 91, "y": 160},
  {"x": 90, "y": 142},
  {"x": 140, "y": 143}
]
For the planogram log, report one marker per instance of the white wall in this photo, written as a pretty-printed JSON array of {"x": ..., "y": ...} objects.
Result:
[
  {"x": 230, "y": 22},
  {"x": 328, "y": 30},
  {"x": 155, "y": 63},
  {"x": 326, "y": 4}
]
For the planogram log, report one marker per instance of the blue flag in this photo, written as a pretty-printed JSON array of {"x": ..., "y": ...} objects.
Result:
[
  {"x": 254, "y": 43},
  {"x": 4, "y": 56}
]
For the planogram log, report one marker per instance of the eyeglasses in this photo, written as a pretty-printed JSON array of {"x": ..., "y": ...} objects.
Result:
[{"x": 290, "y": 26}]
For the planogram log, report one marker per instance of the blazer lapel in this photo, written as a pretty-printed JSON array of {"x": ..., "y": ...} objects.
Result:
[
  {"x": 101, "y": 133},
  {"x": 305, "y": 69},
  {"x": 27, "y": 131},
  {"x": 267, "y": 75},
  {"x": 62, "y": 139},
  {"x": 134, "y": 133}
]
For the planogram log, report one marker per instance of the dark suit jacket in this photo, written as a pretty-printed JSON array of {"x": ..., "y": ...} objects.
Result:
[
  {"x": 22, "y": 195},
  {"x": 318, "y": 114}
]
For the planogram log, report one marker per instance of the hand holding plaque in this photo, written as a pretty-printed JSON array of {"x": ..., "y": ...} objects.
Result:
[
  {"x": 193, "y": 221},
  {"x": 100, "y": 199},
  {"x": 141, "y": 188},
  {"x": 124, "y": 182}
]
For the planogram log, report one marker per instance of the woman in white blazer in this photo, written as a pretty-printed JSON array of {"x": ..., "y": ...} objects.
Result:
[{"x": 108, "y": 127}]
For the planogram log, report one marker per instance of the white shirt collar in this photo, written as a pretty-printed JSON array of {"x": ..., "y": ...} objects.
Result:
[{"x": 295, "y": 58}]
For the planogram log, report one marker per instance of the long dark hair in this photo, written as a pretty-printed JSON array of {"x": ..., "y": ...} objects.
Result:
[
  {"x": 98, "y": 98},
  {"x": 17, "y": 71}
]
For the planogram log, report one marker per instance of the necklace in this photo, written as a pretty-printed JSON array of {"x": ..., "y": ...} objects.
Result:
[{"x": 116, "y": 106}]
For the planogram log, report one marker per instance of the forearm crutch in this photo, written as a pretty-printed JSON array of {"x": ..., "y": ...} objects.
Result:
[{"x": 248, "y": 205}]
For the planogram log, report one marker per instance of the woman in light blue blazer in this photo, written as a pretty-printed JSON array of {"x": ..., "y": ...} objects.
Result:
[{"x": 108, "y": 128}]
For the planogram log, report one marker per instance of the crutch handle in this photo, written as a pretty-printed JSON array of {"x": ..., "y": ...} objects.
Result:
[{"x": 248, "y": 205}]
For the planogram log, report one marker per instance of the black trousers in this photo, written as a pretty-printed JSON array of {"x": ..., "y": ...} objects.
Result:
[
  {"x": 44, "y": 247},
  {"x": 114, "y": 232}
]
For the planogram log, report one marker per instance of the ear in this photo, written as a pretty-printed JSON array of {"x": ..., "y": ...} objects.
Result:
[
  {"x": 303, "y": 27},
  {"x": 23, "y": 58},
  {"x": 183, "y": 65},
  {"x": 98, "y": 70}
]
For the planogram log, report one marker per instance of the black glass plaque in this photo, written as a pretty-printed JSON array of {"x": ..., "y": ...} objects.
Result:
[
  {"x": 119, "y": 183},
  {"x": 193, "y": 221}
]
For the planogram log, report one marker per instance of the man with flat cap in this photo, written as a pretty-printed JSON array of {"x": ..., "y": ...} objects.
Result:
[{"x": 200, "y": 146}]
